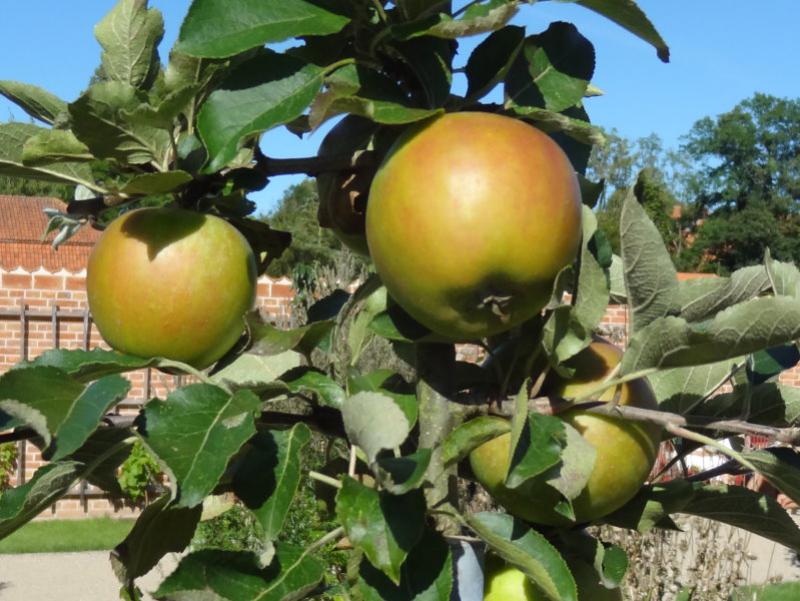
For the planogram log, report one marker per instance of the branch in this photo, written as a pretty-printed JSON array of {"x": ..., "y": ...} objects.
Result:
[
  {"x": 315, "y": 165},
  {"x": 552, "y": 406}
]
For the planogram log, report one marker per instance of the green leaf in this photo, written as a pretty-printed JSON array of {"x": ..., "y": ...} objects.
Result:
[
  {"x": 220, "y": 28},
  {"x": 569, "y": 329},
  {"x": 489, "y": 63},
  {"x": 390, "y": 384},
  {"x": 650, "y": 278},
  {"x": 743, "y": 508},
  {"x": 399, "y": 475},
  {"x": 784, "y": 278},
  {"x": 269, "y": 340},
  {"x": 768, "y": 403},
  {"x": 258, "y": 373},
  {"x": 97, "y": 120},
  {"x": 13, "y": 137},
  {"x": 61, "y": 409},
  {"x": 426, "y": 575},
  {"x": 529, "y": 551},
  {"x": 237, "y": 576},
  {"x": 681, "y": 389},
  {"x": 21, "y": 504},
  {"x": 537, "y": 448},
  {"x": 579, "y": 130},
  {"x": 384, "y": 526},
  {"x": 651, "y": 506},
  {"x": 263, "y": 92},
  {"x": 702, "y": 298},
  {"x": 160, "y": 529},
  {"x": 129, "y": 35},
  {"x": 411, "y": 9},
  {"x": 766, "y": 364},
  {"x": 195, "y": 432},
  {"x": 107, "y": 448},
  {"x": 37, "y": 102},
  {"x": 553, "y": 70},
  {"x": 150, "y": 184},
  {"x": 168, "y": 109},
  {"x": 89, "y": 365},
  {"x": 431, "y": 60},
  {"x": 470, "y": 435},
  {"x": 481, "y": 17},
  {"x": 374, "y": 422},
  {"x": 267, "y": 477},
  {"x": 781, "y": 466},
  {"x": 628, "y": 15},
  {"x": 739, "y": 330},
  {"x": 364, "y": 92},
  {"x": 309, "y": 379},
  {"x": 54, "y": 146}
]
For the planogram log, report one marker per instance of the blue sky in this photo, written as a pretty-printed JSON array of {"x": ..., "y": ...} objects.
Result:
[{"x": 722, "y": 52}]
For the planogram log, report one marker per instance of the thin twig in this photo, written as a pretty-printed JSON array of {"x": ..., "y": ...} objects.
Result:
[{"x": 325, "y": 479}]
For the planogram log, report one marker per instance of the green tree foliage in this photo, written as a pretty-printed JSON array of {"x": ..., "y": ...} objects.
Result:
[
  {"x": 18, "y": 186},
  {"x": 746, "y": 181},
  {"x": 312, "y": 246}
]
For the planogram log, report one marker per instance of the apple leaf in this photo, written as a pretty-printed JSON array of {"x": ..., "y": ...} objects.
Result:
[
  {"x": 553, "y": 69},
  {"x": 470, "y": 435},
  {"x": 267, "y": 477},
  {"x": 221, "y": 28},
  {"x": 702, "y": 298},
  {"x": 679, "y": 390},
  {"x": 400, "y": 475},
  {"x": 750, "y": 326},
  {"x": 628, "y": 15},
  {"x": 374, "y": 422},
  {"x": 37, "y": 102},
  {"x": 650, "y": 278},
  {"x": 384, "y": 526},
  {"x": 426, "y": 575},
  {"x": 489, "y": 63},
  {"x": 528, "y": 550},
  {"x": 160, "y": 529},
  {"x": 13, "y": 137},
  {"x": 97, "y": 120},
  {"x": 90, "y": 365},
  {"x": 54, "y": 146},
  {"x": 238, "y": 576},
  {"x": 195, "y": 432},
  {"x": 61, "y": 409},
  {"x": 156, "y": 183},
  {"x": 265, "y": 91},
  {"x": 129, "y": 35}
]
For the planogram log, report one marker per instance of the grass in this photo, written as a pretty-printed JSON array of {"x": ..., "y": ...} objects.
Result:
[
  {"x": 787, "y": 591},
  {"x": 61, "y": 536}
]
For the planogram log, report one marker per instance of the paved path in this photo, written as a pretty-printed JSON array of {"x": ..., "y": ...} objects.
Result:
[{"x": 65, "y": 577}]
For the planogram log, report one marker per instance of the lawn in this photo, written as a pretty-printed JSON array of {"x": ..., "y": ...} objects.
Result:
[{"x": 60, "y": 536}]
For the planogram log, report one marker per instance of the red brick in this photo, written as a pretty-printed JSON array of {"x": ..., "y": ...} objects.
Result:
[
  {"x": 17, "y": 280},
  {"x": 282, "y": 291}
]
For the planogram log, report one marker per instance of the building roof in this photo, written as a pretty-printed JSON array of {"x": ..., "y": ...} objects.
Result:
[{"x": 22, "y": 224}]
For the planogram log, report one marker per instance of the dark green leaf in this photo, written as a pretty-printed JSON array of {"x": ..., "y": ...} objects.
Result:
[
  {"x": 54, "y": 146},
  {"x": 374, "y": 421},
  {"x": 308, "y": 379},
  {"x": 263, "y": 92},
  {"x": 481, "y": 17},
  {"x": 426, "y": 575},
  {"x": 269, "y": 340},
  {"x": 195, "y": 432},
  {"x": 553, "y": 70},
  {"x": 130, "y": 35},
  {"x": 97, "y": 120},
  {"x": 652, "y": 506},
  {"x": 537, "y": 448},
  {"x": 781, "y": 466},
  {"x": 37, "y": 102},
  {"x": 650, "y": 278},
  {"x": 683, "y": 388},
  {"x": 399, "y": 475},
  {"x": 763, "y": 365},
  {"x": 529, "y": 551},
  {"x": 90, "y": 365},
  {"x": 384, "y": 526},
  {"x": 739, "y": 330},
  {"x": 492, "y": 58},
  {"x": 430, "y": 59},
  {"x": 628, "y": 15},
  {"x": 160, "y": 529},
  {"x": 470, "y": 435},
  {"x": 13, "y": 137},
  {"x": 220, "y": 28},
  {"x": 62, "y": 410},
  {"x": 258, "y": 373},
  {"x": 167, "y": 110},
  {"x": 156, "y": 183},
  {"x": 237, "y": 576},
  {"x": 268, "y": 475}
]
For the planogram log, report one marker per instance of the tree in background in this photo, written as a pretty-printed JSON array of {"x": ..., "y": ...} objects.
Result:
[
  {"x": 746, "y": 179},
  {"x": 17, "y": 186}
]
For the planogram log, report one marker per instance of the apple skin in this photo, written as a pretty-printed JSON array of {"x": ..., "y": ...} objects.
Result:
[
  {"x": 172, "y": 283},
  {"x": 626, "y": 450},
  {"x": 470, "y": 218},
  {"x": 507, "y": 583}
]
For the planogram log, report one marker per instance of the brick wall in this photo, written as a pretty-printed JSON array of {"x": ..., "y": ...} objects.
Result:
[{"x": 57, "y": 316}]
